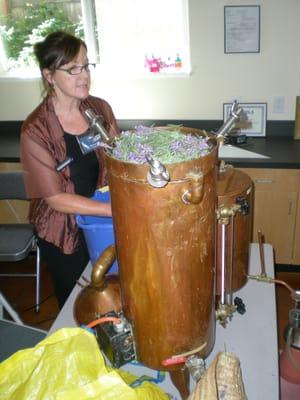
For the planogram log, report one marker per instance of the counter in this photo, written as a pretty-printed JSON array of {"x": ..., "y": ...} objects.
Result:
[
  {"x": 251, "y": 336},
  {"x": 283, "y": 151}
]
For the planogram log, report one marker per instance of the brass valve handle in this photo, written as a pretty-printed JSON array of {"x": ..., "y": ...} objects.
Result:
[{"x": 225, "y": 213}]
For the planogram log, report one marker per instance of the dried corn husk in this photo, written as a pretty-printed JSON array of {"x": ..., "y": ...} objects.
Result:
[{"x": 221, "y": 381}]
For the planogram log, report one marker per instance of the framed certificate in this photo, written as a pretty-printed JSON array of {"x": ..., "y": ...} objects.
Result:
[
  {"x": 241, "y": 29},
  {"x": 254, "y": 123}
]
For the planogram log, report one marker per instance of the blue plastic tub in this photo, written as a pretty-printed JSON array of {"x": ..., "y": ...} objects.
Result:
[{"x": 98, "y": 231}]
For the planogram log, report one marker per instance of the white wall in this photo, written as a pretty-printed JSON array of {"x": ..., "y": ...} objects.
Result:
[{"x": 216, "y": 77}]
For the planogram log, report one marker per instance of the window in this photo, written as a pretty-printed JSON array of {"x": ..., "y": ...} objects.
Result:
[
  {"x": 124, "y": 37},
  {"x": 139, "y": 35},
  {"x": 23, "y": 23}
]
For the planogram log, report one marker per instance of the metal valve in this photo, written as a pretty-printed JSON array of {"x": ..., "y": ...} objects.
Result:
[
  {"x": 240, "y": 306},
  {"x": 235, "y": 113},
  {"x": 97, "y": 126},
  {"x": 225, "y": 213},
  {"x": 158, "y": 176},
  {"x": 196, "y": 367},
  {"x": 224, "y": 313},
  {"x": 245, "y": 206}
]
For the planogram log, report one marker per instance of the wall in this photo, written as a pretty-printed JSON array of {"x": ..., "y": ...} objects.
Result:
[{"x": 216, "y": 77}]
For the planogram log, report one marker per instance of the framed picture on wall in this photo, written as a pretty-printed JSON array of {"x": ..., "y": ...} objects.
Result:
[
  {"x": 241, "y": 29},
  {"x": 254, "y": 121}
]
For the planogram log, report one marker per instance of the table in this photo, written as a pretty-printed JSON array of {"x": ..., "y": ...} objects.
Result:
[{"x": 251, "y": 336}]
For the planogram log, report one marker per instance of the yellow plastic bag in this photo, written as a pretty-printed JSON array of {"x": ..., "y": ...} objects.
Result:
[{"x": 68, "y": 365}]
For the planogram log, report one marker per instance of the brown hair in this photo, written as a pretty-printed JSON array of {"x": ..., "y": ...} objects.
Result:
[{"x": 57, "y": 49}]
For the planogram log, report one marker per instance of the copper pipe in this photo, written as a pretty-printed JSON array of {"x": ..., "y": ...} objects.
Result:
[
  {"x": 229, "y": 285},
  {"x": 261, "y": 253},
  {"x": 223, "y": 263},
  {"x": 270, "y": 280},
  {"x": 101, "y": 266}
]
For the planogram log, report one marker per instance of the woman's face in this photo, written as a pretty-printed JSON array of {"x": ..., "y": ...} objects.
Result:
[{"x": 67, "y": 86}]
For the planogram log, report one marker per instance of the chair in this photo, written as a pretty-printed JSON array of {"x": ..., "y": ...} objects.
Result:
[{"x": 17, "y": 240}]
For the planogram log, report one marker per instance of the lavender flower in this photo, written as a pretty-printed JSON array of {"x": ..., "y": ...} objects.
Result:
[{"x": 165, "y": 145}]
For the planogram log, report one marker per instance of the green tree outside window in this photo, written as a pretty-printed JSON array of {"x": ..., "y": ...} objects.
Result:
[{"x": 38, "y": 20}]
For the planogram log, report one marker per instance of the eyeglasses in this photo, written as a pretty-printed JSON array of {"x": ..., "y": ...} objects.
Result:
[{"x": 77, "y": 69}]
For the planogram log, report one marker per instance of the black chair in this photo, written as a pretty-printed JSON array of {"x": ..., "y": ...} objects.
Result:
[{"x": 17, "y": 240}]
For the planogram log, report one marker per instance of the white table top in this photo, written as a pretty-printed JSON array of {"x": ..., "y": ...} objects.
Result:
[{"x": 251, "y": 336}]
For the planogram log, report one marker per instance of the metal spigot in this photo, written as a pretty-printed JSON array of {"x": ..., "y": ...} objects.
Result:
[
  {"x": 157, "y": 176},
  {"x": 97, "y": 126},
  {"x": 196, "y": 367}
]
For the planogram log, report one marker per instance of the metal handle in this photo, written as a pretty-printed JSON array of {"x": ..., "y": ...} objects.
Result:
[{"x": 194, "y": 194}]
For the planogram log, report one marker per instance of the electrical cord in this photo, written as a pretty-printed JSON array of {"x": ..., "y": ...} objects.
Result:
[
  {"x": 34, "y": 306},
  {"x": 102, "y": 320},
  {"x": 44, "y": 320}
]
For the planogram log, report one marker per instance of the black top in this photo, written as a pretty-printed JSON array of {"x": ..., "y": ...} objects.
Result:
[{"x": 84, "y": 169}]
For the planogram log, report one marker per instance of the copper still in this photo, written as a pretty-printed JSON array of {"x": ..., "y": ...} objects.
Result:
[{"x": 165, "y": 243}]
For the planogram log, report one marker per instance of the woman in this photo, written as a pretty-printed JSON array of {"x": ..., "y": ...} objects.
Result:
[{"x": 49, "y": 135}]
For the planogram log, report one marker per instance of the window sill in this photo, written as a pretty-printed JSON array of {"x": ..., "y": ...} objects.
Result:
[
  {"x": 106, "y": 73},
  {"x": 139, "y": 74},
  {"x": 20, "y": 74}
]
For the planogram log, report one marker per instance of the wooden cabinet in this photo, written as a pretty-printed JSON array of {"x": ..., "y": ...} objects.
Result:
[
  {"x": 277, "y": 211},
  {"x": 296, "y": 249},
  {"x": 13, "y": 211}
]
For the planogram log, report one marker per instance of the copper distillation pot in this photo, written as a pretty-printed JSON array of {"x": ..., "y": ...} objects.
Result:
[{"x": 164, "y": 225}]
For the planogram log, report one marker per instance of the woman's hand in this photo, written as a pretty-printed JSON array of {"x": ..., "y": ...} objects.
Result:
[{"x": 74, "y": 204}]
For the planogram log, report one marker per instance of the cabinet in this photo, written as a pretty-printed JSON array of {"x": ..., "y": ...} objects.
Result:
[
  {"x": 296, "y": 249},
  {"x": 277, "y": 211}
]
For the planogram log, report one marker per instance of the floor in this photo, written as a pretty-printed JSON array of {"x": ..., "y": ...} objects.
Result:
[{"x": 21, "y": 294}]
